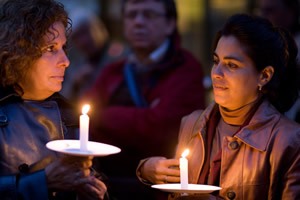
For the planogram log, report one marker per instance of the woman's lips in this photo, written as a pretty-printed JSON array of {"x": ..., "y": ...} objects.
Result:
[
  {"x": 219, "y": 87},
  {"x": 58, "y": 78}
]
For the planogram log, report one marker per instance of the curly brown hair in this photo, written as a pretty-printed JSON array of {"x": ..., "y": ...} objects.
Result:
[{"x": 23, "y": 23}]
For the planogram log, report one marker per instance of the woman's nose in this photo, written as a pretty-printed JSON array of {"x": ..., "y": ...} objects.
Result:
[
  {"x": 64, "y": 60},
  {"x": 216, "y": 71}
]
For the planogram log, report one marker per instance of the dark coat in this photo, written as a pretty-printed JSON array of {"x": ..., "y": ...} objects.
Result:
[{"x": 26, "y": 127}]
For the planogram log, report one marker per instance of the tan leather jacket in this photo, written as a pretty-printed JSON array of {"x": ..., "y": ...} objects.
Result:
[{"x": 260, "y": 162}]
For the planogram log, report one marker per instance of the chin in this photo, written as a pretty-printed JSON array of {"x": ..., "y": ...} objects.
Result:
[
  {"x": 221, "y": 102},
  {"x": 56, "y": 89},
  {"x": 141, "y": 44}
]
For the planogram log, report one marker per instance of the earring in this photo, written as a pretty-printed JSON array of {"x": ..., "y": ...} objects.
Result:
[{"x": 259, "y": 87}]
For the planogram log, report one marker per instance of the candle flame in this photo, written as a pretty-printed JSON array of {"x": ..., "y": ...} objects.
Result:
[
  {"x": 85, "y": 109},
  {"x": 185, "y": 153}
]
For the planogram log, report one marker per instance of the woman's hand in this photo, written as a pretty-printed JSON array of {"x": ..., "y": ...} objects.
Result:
[
  {"x": 159, "y": 170},
  {"x": 66, "y": 172},
  {"x": 91, "y": 188}
]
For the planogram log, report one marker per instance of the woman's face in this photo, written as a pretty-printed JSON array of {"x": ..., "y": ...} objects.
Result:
[
  {"x": 234, "y": 76},
  {"x": 46, "y": 75}
]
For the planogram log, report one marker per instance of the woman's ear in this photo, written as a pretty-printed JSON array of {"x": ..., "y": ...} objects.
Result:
[{"x": 266, "y": 75}]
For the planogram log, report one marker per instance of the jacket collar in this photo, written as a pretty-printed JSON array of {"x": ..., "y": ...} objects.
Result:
[
  {"x": 7, "y": 93},
  {"x": 257, "y": 133},
  {"x": 169, "y": 55},
  {"x": 68, "y": 110}
]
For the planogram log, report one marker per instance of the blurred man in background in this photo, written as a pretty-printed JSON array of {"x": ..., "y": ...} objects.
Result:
[{"x": 138, "y": 102}]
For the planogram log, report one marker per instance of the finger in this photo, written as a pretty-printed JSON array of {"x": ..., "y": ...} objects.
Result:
[
  {"x": 80, "y": 176},
  {"x": 83, "y": 180},
  {"x": 172, "y": 179},
  {"x": 172, "y": 172},
  {"x": 86, "y": 172},
  {"x": 82, "y": 162},
  {"x": 83, "y": 165},
  {"x": 171, "y": 162},
  {"x": 92, "y": 188},
  {"x": 168, "y": 179},
  {"x": 87, "y": 164},
  {"x": 99, "y": 184}
]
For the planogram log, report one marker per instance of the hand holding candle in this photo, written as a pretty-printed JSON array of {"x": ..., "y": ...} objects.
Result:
[
  {"x": 183, "y": 165},
  {"x": 84, "y": 128}
]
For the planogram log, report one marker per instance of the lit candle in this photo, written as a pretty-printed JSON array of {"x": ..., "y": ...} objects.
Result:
[
  {"x": 84, "y": 128},
  {"x": 183, "y": 165}
]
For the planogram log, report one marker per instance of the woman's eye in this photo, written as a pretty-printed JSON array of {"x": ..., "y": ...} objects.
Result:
[
  {"x": 215, "y": 61},
  {"x": 50, "y": 48},
  {"x": 66, "y": 48},
  {"x": 232, "y": 65}
]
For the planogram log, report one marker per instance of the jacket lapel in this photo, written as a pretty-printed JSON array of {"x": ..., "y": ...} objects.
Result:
[{"x": 257, "y": 134}]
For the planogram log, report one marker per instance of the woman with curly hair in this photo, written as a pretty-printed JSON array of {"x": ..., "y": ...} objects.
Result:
[{"x": 33, "y": 61}]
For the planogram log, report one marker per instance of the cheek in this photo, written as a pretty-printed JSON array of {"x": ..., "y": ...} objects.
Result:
[
  {"x": 127, "y": 26},
  {"x": 246, "y": 88}
]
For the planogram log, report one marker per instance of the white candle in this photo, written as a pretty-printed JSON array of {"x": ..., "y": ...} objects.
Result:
[
  {"x": 84, "y": 128},
  {"x": 183, "y": 165}
]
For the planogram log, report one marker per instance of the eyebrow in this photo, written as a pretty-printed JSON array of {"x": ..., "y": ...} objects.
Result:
[
  {"x": 230, "y": 57},
  {"x": 51, "y": 43}
]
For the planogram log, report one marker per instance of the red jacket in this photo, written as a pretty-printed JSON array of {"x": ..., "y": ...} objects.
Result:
[{"x": 143, "y": 132}]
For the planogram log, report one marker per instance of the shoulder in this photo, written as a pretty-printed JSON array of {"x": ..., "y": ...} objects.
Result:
[
  {"x": 192, "y": 117},
  {"x": 284, "y": 133},
  {"x": 189, "y": 57},
  {"x": 288, "y": 130},
  {"x": 196, "y": 120},
  {"x": 69, "y": 111},
  {"x": 272, "y": 121},
  {"x": 186, "y": 64},
  {"x": 8, "y": 95},
  {"x": 113, "y": 68},
  {"x": 285, "y": 142}
]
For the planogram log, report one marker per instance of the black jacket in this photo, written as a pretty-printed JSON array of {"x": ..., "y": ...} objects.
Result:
[{"x": 25, "y": 128}]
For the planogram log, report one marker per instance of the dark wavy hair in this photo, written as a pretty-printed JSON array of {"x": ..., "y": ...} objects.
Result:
[
  {"x": 267, "y": 45},
  {"x": 23, "y": 23}
]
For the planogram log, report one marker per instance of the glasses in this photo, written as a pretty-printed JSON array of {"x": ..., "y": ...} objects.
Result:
[{"x": 147, "y": 14}]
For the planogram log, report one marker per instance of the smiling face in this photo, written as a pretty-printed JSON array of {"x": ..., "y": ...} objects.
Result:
[
  {"x": 46, "y": 75},
  {"x": 146, "y": 25},
  {"x": 234, "y": 76}
]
